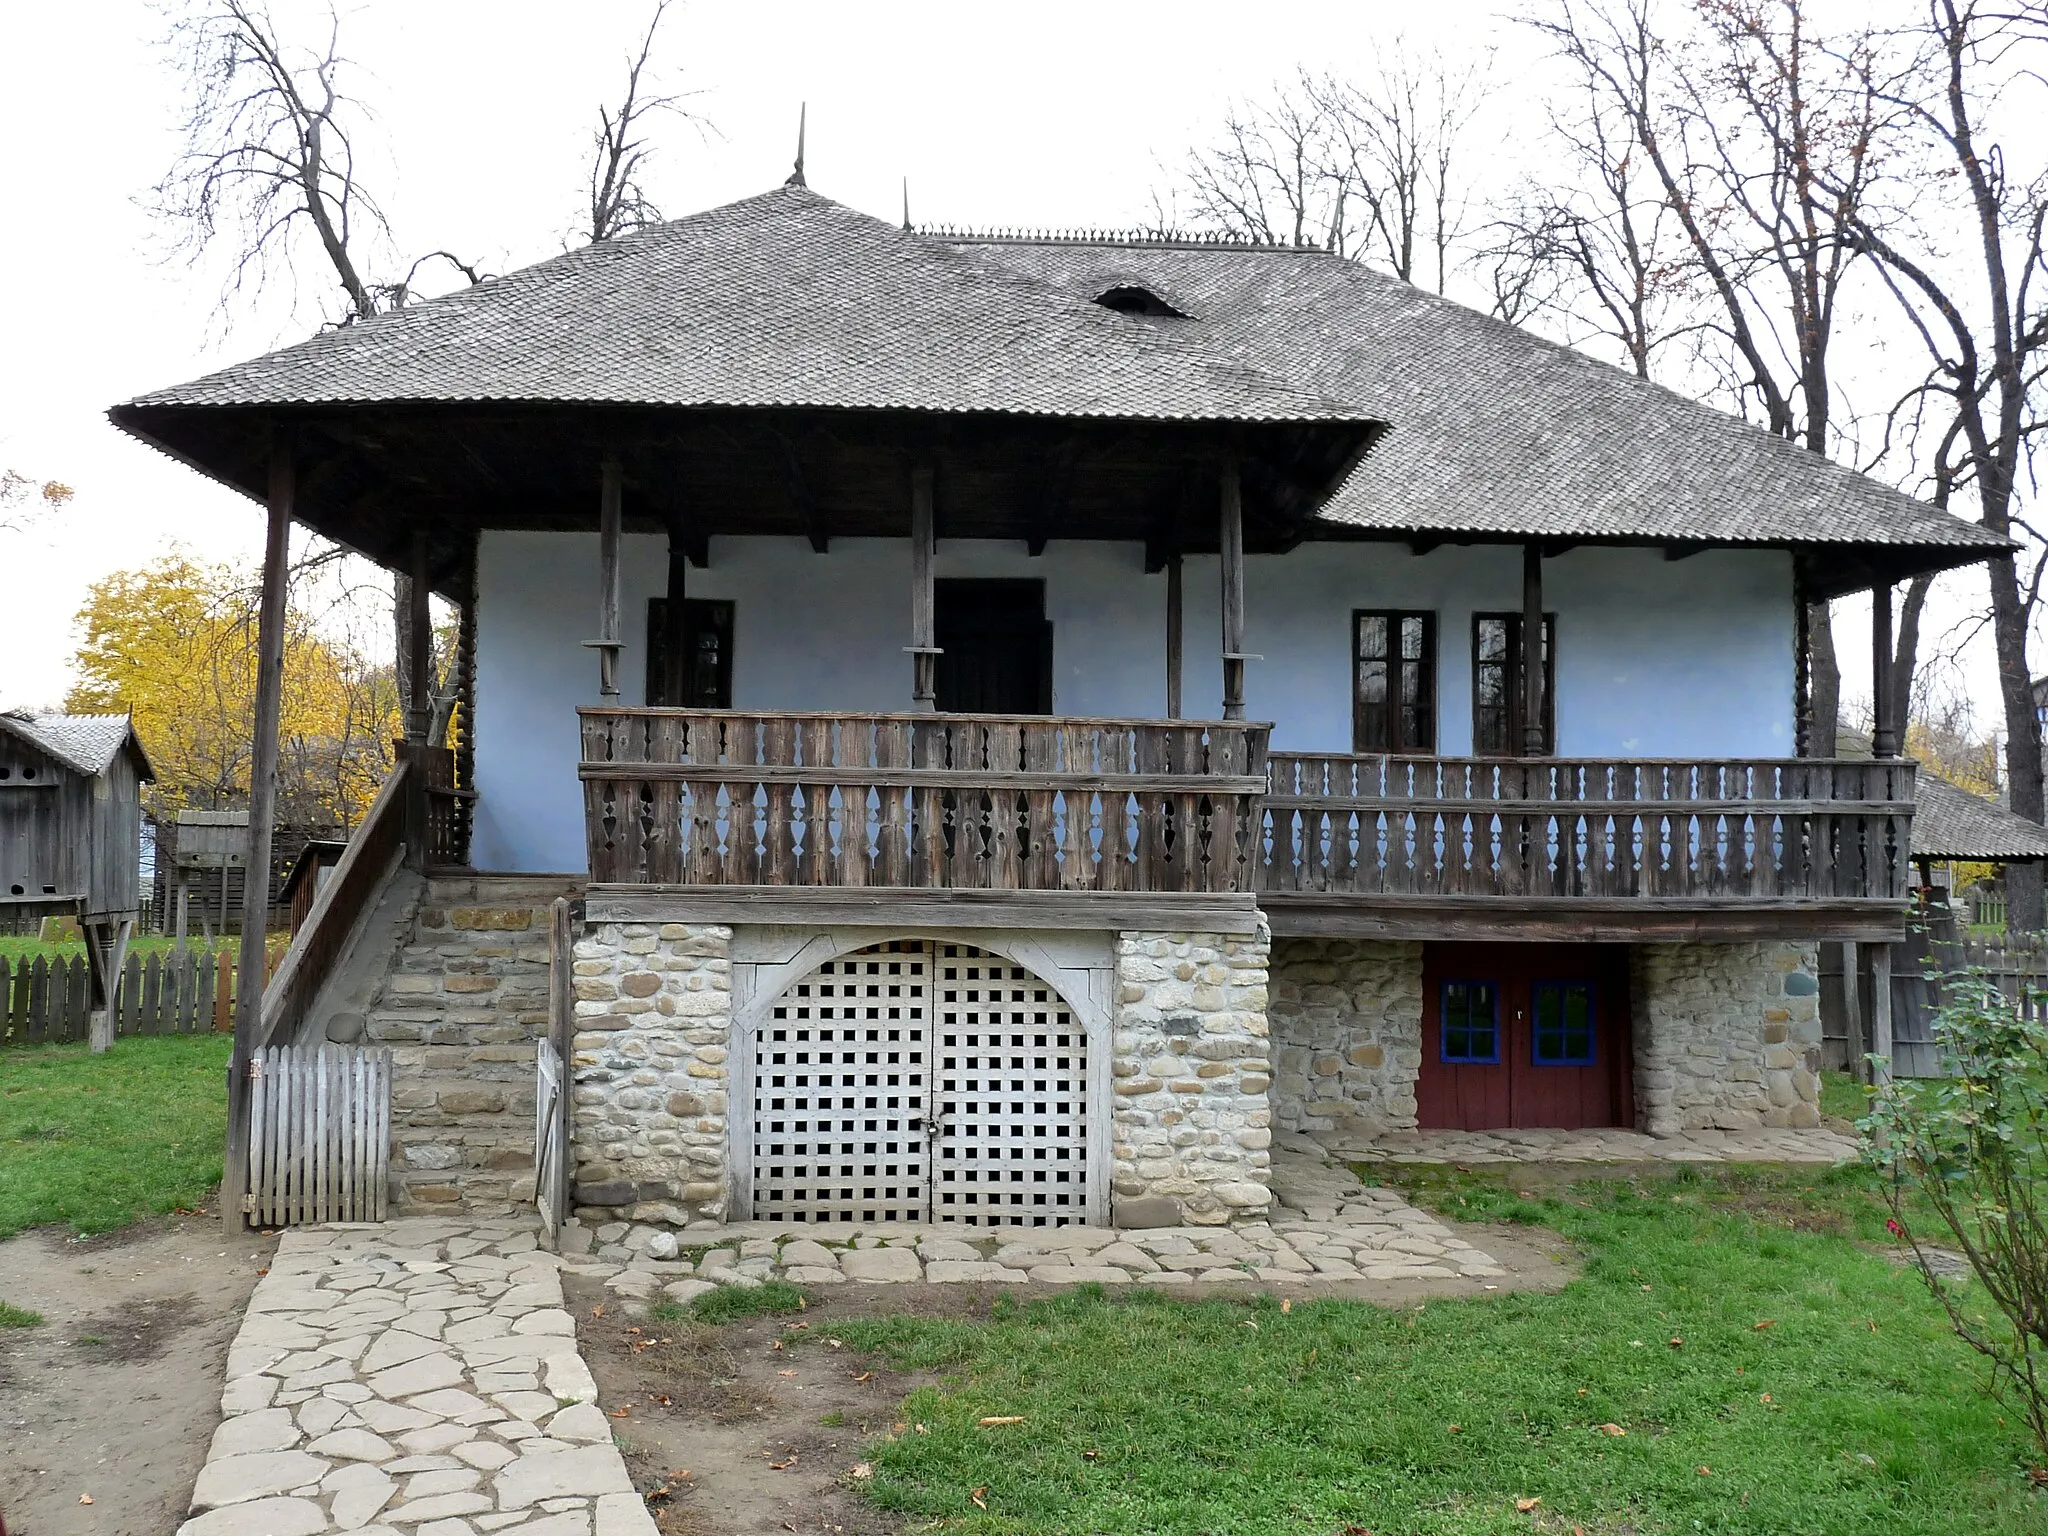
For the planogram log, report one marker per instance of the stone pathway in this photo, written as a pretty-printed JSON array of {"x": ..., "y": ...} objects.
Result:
[
  {"x": 1325, "y": 1226},
  {"x": 1762, "y": 1146},
  {"x": 418, "y": 1378}
]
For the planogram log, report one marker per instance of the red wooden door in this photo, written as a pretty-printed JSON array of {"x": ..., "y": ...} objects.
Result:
[{"x": 1525, "y": 1036}]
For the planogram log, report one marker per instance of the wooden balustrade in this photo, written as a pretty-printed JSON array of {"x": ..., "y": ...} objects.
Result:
[
  {"x": 920, "y": 801},
  {"x": 1706, "y": 831}
]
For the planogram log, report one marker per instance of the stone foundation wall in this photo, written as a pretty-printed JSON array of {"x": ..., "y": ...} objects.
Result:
[
  {"x": 1191, "y": 1125},
  {"x": 1727, "y": 1037},
  {"x": 651, "y": 1067},
  {"x": 1347, "y": 1036},
  {"x": 460, "y": 1011}
]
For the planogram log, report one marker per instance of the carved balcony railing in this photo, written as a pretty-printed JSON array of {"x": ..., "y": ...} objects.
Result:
[
  {"x": 701, "y": 798},
  {"x": 1707, "y": 832}
]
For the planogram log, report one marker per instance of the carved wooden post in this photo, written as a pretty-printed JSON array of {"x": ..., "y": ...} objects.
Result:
[
  {"x": 924, "y": 652},
  {"x": 249, "y": 976},
  {"x": 1173, "y": 635},
  {"x": 419, "y": 703},
  {"x": 1231, "y": 541},
  {"x": 670, "y": 686},
  {"x": 1884, "y": 733},
  {"x": 610, "y": 528},
  {"x": 1802, "y": 675},
  {"x": 1533, "y": 742},
  {"x": 1880, "y": 1071}
]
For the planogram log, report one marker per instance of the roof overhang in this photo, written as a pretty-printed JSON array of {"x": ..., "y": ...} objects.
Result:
[{"x": 369, "y": 476}]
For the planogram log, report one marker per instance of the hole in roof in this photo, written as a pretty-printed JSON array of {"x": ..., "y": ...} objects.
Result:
[{"x": 1130, "y": 299}]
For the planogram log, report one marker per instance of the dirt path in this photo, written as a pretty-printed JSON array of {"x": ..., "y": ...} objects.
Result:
[
  {"x": 115, "y": 1397},
  {"x": 751, "y": 1440}
]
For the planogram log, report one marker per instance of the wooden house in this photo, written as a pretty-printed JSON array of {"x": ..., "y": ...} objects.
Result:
[
  {"x": 71, "y": 836},
  {"x": 1065, "y": 712},
  {"x": 70, "y": 817}
]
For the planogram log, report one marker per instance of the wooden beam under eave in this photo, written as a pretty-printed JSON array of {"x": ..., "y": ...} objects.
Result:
[
  {"x": 924, "y": 653},
  {"x": 1230, "y": 538}
]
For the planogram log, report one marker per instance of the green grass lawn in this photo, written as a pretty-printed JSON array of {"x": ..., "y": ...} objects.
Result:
[
  {"x": 1769, "y": 1374},
  {"x": 15, "y": 948},
  {"x": 96, "y": 1141},
  {"x": 1842, "y": 1097}
]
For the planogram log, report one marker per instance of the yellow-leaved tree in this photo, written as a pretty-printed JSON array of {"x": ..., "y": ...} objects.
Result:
[{"x": 174, "y": 643}]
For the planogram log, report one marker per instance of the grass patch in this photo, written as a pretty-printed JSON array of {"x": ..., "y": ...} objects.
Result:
[
  {"x": 98, "y": 1141},
  {"x": 19, "y": 1317},
  {"x": 17, "y": 948},
  {"x": 730, "y": 1303},
  {"x": 1842, "y": 1097},
  {"x": 1854, "y": 1410}
]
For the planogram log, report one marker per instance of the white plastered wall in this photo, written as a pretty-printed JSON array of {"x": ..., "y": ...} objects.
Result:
[{"x": 1656, "y": 658}]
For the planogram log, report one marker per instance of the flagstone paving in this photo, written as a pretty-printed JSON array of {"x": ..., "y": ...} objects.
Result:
[
  {"x": 1590, "y": 1146},
  {"x": 418, "y": 1378},
  {"x": 1325, "y": 1226}
]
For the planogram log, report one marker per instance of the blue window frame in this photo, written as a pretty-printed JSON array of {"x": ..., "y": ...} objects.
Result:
[
  {"x": 1562, "y": 1028},
  {"x": 1468, "y": 1023}
]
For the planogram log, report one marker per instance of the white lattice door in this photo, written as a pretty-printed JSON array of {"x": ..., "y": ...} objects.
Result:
[
  {"x": 921, "y": 1082},
  {"x": 841, "y": 1091},
  {"x": 1009, "y": 1096}
]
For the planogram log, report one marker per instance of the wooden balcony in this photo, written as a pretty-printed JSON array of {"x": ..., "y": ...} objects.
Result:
[
  {"x": 1453, "y": 848},
  {"x": 1098, "y": 823},
  {"x": 1029, "y": 819}
]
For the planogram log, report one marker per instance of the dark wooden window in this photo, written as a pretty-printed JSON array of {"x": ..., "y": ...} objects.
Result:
[
  {"x": 698, "y": 673},
  {"x": 1497, "y": 694},
  {"x": 1562, "y": 1026},
  {"x": 1469, "y": 1022},
  {"x": 1393, "y": 681}
]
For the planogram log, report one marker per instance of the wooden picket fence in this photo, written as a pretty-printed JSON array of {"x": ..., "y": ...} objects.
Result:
[
  {"x": 45, "y": 1001},
  {"x": 319, "y": 1134}
]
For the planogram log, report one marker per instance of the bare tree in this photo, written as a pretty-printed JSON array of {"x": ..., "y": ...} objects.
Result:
[
  {"x": 1593, "y": 245},
  {"x": 1766, "y": 148},
  {"x": 619, "y": 203},
  {"x": 1982, "y": 317},
  {"x": 269, "y": 162},
  {"x": 1366, "y": 169}
]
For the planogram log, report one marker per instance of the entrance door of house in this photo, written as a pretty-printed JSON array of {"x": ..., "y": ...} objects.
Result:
[
  {"x": 1525, "y": 1035},
  {"x": 996, "y": 647},
  {"x": 921, "y": 1081}
]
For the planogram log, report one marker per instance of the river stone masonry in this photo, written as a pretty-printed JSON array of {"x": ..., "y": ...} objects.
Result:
[
  {"x": 1727, "y": 1037},
  {"x": 461, "y": 1010},
  {"x": 651, "y": 1065},
  {"x": 1347, "y": 1036},
  {"x": 1191, "y": 1115}
]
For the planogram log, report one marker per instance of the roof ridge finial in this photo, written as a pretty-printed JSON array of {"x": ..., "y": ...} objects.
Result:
[
  {"x": 796, "y": 177},
  {"x": 906, "y": 205}
]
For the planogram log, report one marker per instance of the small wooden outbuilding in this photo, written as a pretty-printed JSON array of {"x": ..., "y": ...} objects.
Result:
[{"x": 71, "y": 834}]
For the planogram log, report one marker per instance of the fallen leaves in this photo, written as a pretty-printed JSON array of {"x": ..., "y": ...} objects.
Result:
[
  {"x": 1677, "y": 1342},
  {"x": 1527, "y": 1506},
  {"x": 999, "y": 1418},
  {"x": 1456, "y": 1429},
  {"x": 1704, "y": 1471},
  {"x": 980, "y": 1497},
  {"x": 85, "y": 1498},
  {"x": 1614, "y": 1430},
  {"x": 1091, "y": 1455},
  {"x": 861, "y": 1471},
  {"x": 864, "y": 1376},
  {"x": 785, "y": 1373},
  {"x": 1769, "y": 1322},
  {"x": 1286, "y": 1305},
  {"x": 620, "y": 1413}
]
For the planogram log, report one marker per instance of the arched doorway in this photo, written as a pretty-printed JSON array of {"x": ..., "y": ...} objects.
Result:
[{"x": 920, "y": 1080}]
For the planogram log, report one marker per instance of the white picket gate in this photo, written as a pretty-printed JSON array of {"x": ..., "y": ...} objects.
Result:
[{"x": 319, "y": 1134}]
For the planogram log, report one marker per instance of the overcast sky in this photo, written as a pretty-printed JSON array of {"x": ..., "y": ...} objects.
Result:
[{"x": 1050, "y": 112}]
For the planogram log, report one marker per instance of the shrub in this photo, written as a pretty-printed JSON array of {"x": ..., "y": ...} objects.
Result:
[{"x": 1967, "y": 1154}]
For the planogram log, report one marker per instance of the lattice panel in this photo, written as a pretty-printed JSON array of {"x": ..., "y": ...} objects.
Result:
[
  {"x": 1011, "y": 1094},
  {"x": 840, "y": 1092}
]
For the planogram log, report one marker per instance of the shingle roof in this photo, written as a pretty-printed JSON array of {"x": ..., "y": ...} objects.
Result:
[
  {"x": 83, "y": 743},
  {"x": 1949, "y": 822},
  {"x": 785, "y": 300},
  {"x": 1495, "y": 431}
]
